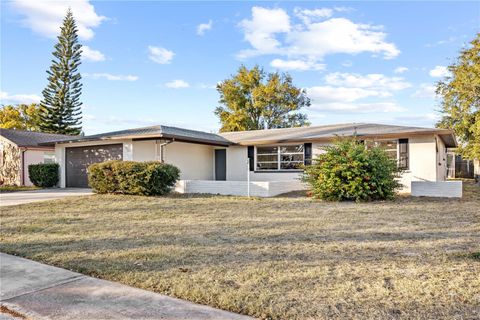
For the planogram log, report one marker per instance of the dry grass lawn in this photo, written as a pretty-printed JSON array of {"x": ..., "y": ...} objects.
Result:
[{"x": 279, "y": 258}]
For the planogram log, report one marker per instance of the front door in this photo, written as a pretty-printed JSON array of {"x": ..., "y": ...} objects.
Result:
[{"x": 220, "y": 164}]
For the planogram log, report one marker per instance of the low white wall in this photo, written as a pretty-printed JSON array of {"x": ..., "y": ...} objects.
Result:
[
  {"x": 442, "y": 189},
  {"x": 239, "y": 188}
]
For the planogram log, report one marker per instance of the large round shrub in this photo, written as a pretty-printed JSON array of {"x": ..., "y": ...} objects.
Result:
[
  {"x": 129, "y": 177},
  {"x": 43, "y": 175},
  {"x": 350, "y": 171}
]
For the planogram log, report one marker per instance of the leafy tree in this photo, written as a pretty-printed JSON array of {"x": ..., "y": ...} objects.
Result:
[
  {"x": 460, "y": 94},
  {"x": 21, "y": 117},
  {"x": 255, "y": 100},
  {"x": 61, "y": 111},
  {"x": 349, "y": 171}
]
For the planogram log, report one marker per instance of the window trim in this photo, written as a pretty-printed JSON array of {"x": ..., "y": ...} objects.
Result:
[
  {"x": 279, "y": 160},
  {"x": 49, "y": 155},
  {"x": 398, "y": 150}
]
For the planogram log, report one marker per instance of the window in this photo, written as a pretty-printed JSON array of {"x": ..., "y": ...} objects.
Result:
[
  {"x": 48, "y": 157},
  {"x": 403, "y": 153},
  {"x": 395, "y": 149},
  {"x": 289, "y": 157}
]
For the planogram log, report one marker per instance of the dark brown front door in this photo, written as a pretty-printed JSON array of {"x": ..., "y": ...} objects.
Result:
[{"x": 78, "y": 159}]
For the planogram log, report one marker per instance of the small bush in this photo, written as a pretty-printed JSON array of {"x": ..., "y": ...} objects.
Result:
[
  {"x": 349, "y": 171},
  {"x": 43, "y": 175},
  {"x": 129, "y": 177}
]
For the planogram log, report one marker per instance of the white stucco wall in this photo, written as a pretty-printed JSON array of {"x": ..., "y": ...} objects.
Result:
[
  {"x": 237, "y": 163},
  {"x": 422, "y": 158},
  {"x": 423, "y": 164},
  {"x": 32, "y": 157},
  {"x": 195, "y": 161},
  {"x": 144, "y": 150}
]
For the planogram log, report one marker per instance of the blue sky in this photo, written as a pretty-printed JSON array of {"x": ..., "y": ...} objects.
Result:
[{"x": 155, "y": 62}]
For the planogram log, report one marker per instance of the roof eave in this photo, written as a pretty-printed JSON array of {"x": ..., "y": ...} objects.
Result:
[
  {"x": 151, "y": 136},
  {"x": 360, "y": 136}
]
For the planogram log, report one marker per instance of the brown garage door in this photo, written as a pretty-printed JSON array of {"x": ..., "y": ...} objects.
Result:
[{"x": 79, "y": 158}]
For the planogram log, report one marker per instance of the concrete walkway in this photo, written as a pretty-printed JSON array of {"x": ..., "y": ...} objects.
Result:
[
  {"x": 39, "y": 291},
  {"x": 20, "y": 197}
]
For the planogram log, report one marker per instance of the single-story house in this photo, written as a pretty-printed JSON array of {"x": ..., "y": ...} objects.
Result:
[
  {"x": 271, "y": 159},
  {"x": 19, "y": 149}
]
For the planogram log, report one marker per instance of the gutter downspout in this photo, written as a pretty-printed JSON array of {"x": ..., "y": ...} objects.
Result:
[
  {"x": 162, "y": 145},
  {"x": 23, "y": 150}
]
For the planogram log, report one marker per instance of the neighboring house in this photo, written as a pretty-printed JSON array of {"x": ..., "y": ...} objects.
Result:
[
  {"x": 19, "y": 149},
  {"x": 271, "y": 159}
]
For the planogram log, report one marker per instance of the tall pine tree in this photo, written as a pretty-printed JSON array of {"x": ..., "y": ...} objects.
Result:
[{"x": 60, "y": 107}]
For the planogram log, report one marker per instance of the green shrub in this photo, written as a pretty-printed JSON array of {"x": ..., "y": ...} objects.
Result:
[
  {"x": 43, "y": 175},
  {"x": 129, "y": 177},
  {"x": 349, "y": 171}
]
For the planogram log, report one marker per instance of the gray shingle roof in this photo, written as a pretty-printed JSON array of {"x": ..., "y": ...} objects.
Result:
[
  {"x": 324, "y": 132},
  {"x": 311, "y": 133},
  {"x": 30, "y": 138},
  {"x": 159, "y": 131}
]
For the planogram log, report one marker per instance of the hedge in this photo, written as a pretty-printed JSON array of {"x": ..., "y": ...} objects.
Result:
[
  {"x": 43, "y": 175},
  {"x": 130, "y": 177},
  {"x": 350, "y": 171}
]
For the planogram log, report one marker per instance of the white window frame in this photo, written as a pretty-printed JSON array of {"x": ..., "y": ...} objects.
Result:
[
  {"x": 49, "y": 155},
  {"x": 397, "y": 147},
  {"x": 279, "y": 155}
]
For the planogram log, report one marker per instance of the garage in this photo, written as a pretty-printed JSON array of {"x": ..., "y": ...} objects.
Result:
[{"x": 79, "y": 158}]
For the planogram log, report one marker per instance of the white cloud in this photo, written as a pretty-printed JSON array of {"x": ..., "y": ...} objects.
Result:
[
  {"x": 207, "y": 86},
  {"x": 6, "y": 98},
  {"x": 112, "y": 77},
  {"x": 339, "y": 35},
  {"x": 261, "y": 29},
  {"x": 355, "y": 93},
  {"x": 358, "y": 107},
  {"x": 177, "y": 84},
  {"x": 271, "y": 31},
  {"x": 439, "y": 72},
  {"x": 45, "y": 17},
  {"x": 425, "y": 120},
  {"x": 373, "y": 81},
  {"x": 441, "y": 42},
  {"x": 160, "y": 55},
  {"x": 307, "y": 15},
  {"x": 425, "y": 90},
  {"x": 400, "y": 70},
  {"x": 342, "y": 94},
  {"x": 299, "y": 65},
  {"x": 203, "y": 27},
  {"x": 88, "y": 54}
]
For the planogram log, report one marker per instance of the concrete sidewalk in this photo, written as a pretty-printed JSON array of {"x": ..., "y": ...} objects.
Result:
[
  {"x": 39, "y": 291},
  {"x": 20, "y": 197}
]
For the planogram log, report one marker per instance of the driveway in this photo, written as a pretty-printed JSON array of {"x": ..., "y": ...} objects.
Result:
[
  {"x": 21, "y": 197},
  {"x": 40, "y": 291}
]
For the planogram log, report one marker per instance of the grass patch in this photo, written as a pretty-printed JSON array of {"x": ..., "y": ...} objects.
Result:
[
  {"x": 6, "y": 189},
  {"x": 475, "y": 255},
  {"x": 277, "y": 258}
]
